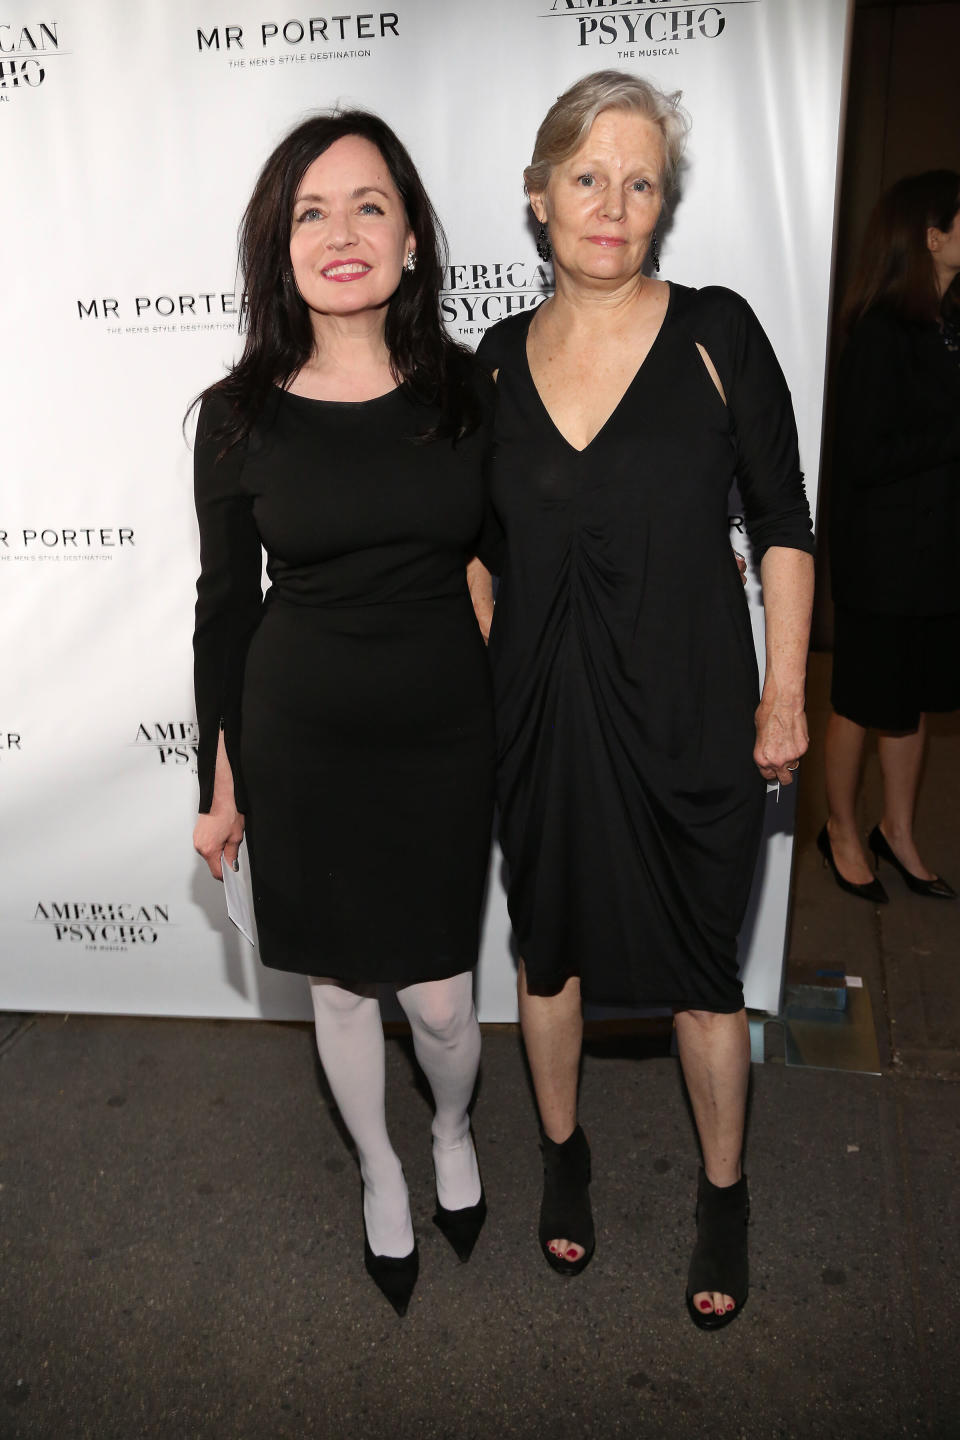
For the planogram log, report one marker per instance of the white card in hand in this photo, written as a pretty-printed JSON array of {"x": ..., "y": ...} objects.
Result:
[{"x": 238, "y": 899}]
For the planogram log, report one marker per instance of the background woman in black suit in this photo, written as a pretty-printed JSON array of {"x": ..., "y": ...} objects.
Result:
[{"x": 895, "y": 523}]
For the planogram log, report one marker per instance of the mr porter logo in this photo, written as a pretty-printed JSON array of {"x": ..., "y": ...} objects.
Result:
[
  {"x": 65, "y": 542},
  {"x": 626, "y": 24},
  {"x": 24, "y": 53},
  {"x": 295, "y": 42},
  {"x": 11, "y": 743},
  {"x": 171, "y": 312},
  {"x": 102, "y": 925},
  {"x": 174, "y": 742}
]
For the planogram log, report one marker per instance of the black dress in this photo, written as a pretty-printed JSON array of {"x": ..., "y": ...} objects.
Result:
[
  {"x": 895, "y": 523},
  {"x": 355, "y": 699},
  {"x": 625, "y": 679}
]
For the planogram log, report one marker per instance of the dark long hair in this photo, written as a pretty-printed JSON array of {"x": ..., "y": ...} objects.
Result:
[
  {"x": 276, "y": 320},
  {"x": 895, "y": 267}
]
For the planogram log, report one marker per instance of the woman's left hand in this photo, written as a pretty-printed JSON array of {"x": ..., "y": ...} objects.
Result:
[
  {"x": 787, "y": 578},
  {"x": 781, "y": 740}
]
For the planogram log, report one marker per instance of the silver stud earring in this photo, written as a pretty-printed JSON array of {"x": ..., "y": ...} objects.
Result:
[
  {"x": 410, "y": 264},
  {"x": 544, "y": 248}
]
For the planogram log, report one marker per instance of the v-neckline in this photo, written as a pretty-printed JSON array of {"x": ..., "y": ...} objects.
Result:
[{"x": 630, "y": 383}]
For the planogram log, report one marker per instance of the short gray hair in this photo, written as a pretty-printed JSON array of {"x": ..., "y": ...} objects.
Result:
[{"x": 567, "y": 123}]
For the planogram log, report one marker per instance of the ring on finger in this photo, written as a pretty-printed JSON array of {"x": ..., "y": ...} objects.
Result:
[{"x": 794, "y": 766}]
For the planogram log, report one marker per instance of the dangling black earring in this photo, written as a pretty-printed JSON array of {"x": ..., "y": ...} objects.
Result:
[
  {"x": 544, "y": 248},
  {"x": 655, "y": 252}
]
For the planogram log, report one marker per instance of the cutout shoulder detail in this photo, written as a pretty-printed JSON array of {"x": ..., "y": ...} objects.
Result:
[{"x": 711, "y": 370}]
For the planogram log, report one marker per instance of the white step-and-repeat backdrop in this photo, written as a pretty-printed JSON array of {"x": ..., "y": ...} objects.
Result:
[{"x": 132, "y": 132}]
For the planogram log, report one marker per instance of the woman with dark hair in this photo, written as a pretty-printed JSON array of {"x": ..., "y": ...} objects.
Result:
[
  {"x": 632, "y": 740},
  {"x": 895, "y": 525},
  {"x": 345, "y": 719}
]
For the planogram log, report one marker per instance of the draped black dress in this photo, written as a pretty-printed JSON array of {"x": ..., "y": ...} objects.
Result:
[
  {"x": 355, "y": 699},
  {"x": 625, "y": 678}
]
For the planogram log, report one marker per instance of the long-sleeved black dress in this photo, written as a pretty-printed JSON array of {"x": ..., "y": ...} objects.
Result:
[
  {"x": 625, "y": 679},
  {"x": 355, "y": 699}
]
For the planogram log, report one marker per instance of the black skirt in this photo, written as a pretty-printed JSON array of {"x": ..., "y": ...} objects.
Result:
[{"x": 888, "y": 670}]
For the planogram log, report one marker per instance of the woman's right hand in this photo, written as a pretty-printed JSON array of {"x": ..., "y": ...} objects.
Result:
[{"x": 216, "y": 834}]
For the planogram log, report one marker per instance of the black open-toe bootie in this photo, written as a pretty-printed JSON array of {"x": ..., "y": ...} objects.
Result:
[
  {"x": 565, "y": 1212},
  {"x": 719, "y": 1263},
  {"x": 395, "y": 1276}
]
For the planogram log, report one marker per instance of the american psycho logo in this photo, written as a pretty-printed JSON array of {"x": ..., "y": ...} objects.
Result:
[
  {"x": 628, "y": 24},
  {"x": 175, "y": 743},
  {"x": 102, "y": 925},
  {"x": 477, "y": 295},
  {"x": 25, "y": 51}
]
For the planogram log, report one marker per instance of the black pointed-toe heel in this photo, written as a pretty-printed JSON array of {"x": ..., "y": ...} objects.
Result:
[
  {"x": 395, "y": 1276},
  {"x": 937, "y": 889},
  {"x": 462, "y": 1227},
  {"x": 872, "y": 890},
  {"x": 565, "y": 1212},
  {"x": 719, "y": 1263}
]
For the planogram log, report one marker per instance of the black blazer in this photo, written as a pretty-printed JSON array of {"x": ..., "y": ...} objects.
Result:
[{"x": 895, "y": 503}]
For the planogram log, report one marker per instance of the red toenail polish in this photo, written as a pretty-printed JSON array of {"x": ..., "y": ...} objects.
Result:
[
  {"x": 705, "y": 1305},
  {"x": 729, "y": 1307}
]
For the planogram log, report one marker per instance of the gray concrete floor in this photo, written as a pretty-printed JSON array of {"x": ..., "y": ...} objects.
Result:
[{"x": 181, "y": 1238}]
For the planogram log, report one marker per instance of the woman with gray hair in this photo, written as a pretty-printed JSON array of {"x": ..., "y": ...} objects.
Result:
[{"x": 633, "y": 744}]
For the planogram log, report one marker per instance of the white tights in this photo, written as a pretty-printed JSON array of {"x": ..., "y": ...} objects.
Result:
[{"x": 446, "y": 1039}]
